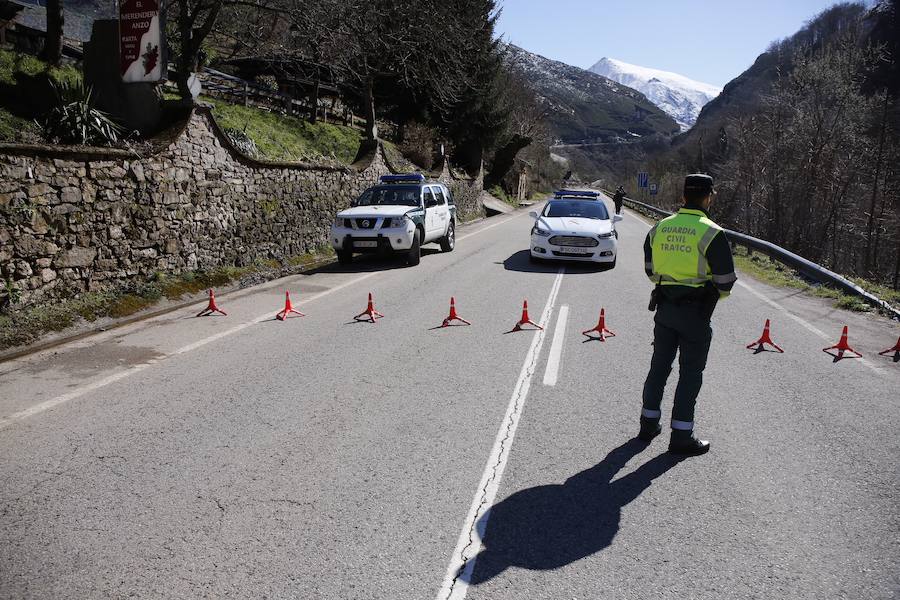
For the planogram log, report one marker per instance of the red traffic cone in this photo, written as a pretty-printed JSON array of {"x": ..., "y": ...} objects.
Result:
[
  {"x": 453, "y": 316},
  {"x": 764, "y": 339},
  {"x": 600, "y": 329},
  {"x": 370, "y": 312},
  {"x": 211, "y": 307},
  {"x": 895, "y": 350},
  {"x": 841, "y": 347},
  {"x": 288, "y": 309},
  {"x": 525, "y": 320}
]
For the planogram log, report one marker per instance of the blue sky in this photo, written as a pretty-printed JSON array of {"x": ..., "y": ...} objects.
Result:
[{"x": 711, "y": 41}]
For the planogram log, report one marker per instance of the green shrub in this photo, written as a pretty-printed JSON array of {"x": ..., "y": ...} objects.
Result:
[{"x": 75, "y": 121}]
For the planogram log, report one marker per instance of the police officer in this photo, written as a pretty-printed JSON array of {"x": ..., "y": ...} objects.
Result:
[{"x": 689, "y": 259}]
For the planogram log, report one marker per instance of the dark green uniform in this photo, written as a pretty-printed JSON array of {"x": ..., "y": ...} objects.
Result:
[{"x": 688, "y": 257}]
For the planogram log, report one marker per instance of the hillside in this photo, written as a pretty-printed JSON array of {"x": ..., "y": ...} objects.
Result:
[
  {"x": 585, "y": 106},
  {"x": 679, "y": 96}
]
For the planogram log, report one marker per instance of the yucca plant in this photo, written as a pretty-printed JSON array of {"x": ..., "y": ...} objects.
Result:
[{"x": 75, "y": 121}]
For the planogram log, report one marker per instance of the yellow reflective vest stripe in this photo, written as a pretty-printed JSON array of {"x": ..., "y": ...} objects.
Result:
[{"x": 679, "y": 246}]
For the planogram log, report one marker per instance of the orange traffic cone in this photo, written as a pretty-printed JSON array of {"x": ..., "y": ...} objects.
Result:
[
  {"x": 370, "y": 312},
  {"x": 288, "y": 309},
  {"x": 895, "y": 351},
  {"x": 841, "y": 347},
  {"x": 525, "y": 320},
  {"x": 600, "y": 329},
  {"x": 453, "y": 316},
  {"x": 211, "y": 307},
  {"x": 765, "y": 338}
]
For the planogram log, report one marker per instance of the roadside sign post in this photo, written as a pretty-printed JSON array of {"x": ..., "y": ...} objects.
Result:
[{"x": 653, "y": 189}]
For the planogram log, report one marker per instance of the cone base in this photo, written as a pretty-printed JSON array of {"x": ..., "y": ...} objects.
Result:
[
  {"x": 520, "y": 326},
  {"x": 283, "y": 315},
  {"x": 368, "y": 316},
  {"x": 601, "y": 333}
]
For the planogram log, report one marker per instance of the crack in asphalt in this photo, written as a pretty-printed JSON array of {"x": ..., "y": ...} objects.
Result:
[{"x": 529, "y": 371}]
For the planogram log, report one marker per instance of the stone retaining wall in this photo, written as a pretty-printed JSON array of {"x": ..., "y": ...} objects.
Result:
[{"x": 74, "y": 220}]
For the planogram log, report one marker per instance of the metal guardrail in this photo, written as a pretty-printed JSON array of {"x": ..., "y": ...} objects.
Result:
[{"x": 806, "y": 267}]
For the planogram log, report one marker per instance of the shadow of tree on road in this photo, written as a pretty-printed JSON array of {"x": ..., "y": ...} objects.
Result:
[{"x": 549, "y": 526}]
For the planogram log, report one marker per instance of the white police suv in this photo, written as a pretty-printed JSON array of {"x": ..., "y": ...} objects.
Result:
[
  {"x": 575, "y": 225},
  {"x": 399, "y": 214}
]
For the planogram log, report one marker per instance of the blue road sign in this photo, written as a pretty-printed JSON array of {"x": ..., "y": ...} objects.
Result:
[
  {"x": 653, "y": 189},
  {"x": 643, "y": 179}
]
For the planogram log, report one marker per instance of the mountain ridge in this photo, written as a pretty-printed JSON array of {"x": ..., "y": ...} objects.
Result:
[{"x": 585, "y": 106}]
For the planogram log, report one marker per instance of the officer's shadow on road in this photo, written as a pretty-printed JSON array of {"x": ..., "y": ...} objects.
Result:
[
  {"x": 550, "y": 526},
  {"x": 521, "y": 261}
]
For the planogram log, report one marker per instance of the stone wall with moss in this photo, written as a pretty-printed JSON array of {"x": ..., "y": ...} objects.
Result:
[{"x": 77, "y": 219}]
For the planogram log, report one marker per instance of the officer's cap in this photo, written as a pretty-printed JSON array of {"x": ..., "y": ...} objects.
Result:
[{"x": 698, "y": 182}]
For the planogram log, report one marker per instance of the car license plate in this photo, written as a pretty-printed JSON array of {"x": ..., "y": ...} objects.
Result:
[
  {"x": 365, "y": 244},
  {"x": 571, "y": 250}
]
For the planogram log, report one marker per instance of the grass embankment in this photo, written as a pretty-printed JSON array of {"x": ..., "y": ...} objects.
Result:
[
  {"x": 25, "y": 326},
  {"x": 774, "y": 273},
  {"x": 283, "y": 138},
  {"x": 21, "y": 77}
]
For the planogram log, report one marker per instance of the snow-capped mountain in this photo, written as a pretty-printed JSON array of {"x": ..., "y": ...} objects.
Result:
[
  {"x": 587, "y": 107},
  {"x": 678, "y": 96}
]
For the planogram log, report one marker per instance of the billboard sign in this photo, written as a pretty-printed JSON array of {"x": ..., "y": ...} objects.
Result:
[{"x": 140, "y": 41}]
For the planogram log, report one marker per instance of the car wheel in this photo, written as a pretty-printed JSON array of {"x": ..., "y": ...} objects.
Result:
[
  {"x": 415, "y": 251},
  {"x": 345, "y": 257},
  {"x": 448, "y": 242}
]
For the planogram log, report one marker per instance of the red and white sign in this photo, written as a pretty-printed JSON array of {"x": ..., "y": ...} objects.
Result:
[{"x": 140, "y": 42}]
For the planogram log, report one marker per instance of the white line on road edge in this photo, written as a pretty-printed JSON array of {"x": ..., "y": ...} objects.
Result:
[
  {"x": 804, "y": 323},
  {"x": 462, "y": 562},
  {"x": 95, "y": 385},
  {"x": 556, "y": 346}
]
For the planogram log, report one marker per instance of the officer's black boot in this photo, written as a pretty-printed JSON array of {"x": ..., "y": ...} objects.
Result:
[
  {"x": 650, "y": 428},
  {"x": 684, "y": 442}
]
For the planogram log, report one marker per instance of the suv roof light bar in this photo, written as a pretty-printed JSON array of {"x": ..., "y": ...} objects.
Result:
[
  {"x": 577, "y": 193},
  {"x": 403, "y": 177}
]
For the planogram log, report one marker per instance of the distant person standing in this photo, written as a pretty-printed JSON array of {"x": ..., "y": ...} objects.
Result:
[
  {"x": 688, "y": 257},
  {"x": 618, "y": 198}
]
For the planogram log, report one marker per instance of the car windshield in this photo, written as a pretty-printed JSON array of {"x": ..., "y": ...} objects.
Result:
[
  {"x": 404, "y": 195},
  {"x": 588, "y": 209}
]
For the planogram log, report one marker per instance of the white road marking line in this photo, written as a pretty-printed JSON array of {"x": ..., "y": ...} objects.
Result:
[
  {"x": 556, "y": 346},
  {"x": 482, "y": 230},
  {"x": 462, "y": 562},
  {"x": 806, "y": 324},
  {"x": 95, "y": 385}
]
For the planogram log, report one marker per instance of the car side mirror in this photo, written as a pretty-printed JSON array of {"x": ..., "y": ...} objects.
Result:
[
  {"x": 431, "y": 203},
  {"x": 533, "y": 215},
  {"x": 617, "y": 218}
]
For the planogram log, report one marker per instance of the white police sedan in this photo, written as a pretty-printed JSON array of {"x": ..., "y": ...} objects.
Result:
[{"x": 575, "y": 226}]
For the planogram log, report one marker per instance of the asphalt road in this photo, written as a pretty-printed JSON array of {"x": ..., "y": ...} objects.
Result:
[{"x": 242, "y": 457}]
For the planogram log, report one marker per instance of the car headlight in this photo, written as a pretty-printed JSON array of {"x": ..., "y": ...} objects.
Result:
[
  {"x": 339, "y": 222},
  {"x": 398, "y": 221},
  {"x": 538, "y": 231},
  {"x": 604, "y": 236}
]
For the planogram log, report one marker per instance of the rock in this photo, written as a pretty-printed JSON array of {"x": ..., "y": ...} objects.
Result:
[
  {"x": 136, "y": 171},
  {"x": 77, "y": 257},
  {"x": 172, "y": 246},
  {"x": 30, "y": 247},
  {"x": 70, "y": 195},
  {"x": 48, "y": 275}
]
